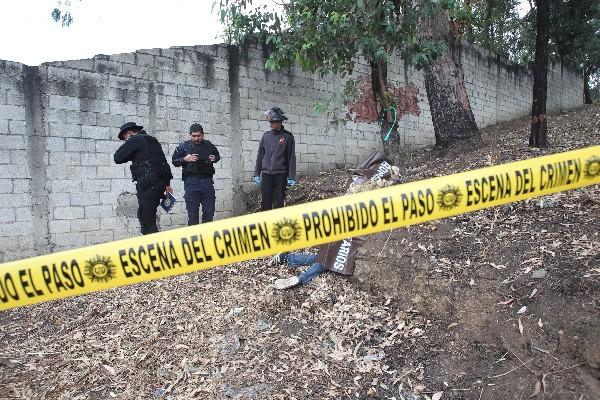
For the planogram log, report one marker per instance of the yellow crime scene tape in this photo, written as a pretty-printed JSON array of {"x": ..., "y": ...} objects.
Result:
[{"x": 179, "y": 251}]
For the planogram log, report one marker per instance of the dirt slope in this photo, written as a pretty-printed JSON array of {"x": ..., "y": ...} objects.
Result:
[{"x": 432, "y": 308}]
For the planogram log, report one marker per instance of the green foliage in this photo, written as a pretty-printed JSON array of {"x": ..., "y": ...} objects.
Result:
[
  {"x": 498, "y": 29},
  {"x": 325, "y": 36},
  {"x": 429, "y": 52},
  {"x": 62, "y": 13},
  {"x": 574, "y": 31},
  {"x": 242, "y": 19}
]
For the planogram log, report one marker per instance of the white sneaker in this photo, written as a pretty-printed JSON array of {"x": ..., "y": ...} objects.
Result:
[{"x": 287, "y": 283}]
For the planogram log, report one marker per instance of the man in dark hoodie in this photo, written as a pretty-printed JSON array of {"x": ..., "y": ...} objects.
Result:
[
  {"x": 197, "y": 157},
  {"x": 275, "y": 161},
  {"x": 149, "y": 170}
]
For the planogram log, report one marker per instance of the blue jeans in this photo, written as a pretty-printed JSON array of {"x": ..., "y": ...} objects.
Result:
[
  {"x": 199, "y": 190},
  {"x": 295, "y": 260}
]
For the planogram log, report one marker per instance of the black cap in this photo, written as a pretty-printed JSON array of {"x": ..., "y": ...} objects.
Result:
[{"x": 129, "y": 126}]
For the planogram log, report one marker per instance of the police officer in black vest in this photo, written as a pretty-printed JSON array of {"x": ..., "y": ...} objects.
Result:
[
  {"x": 149, "y": 169},
  {"x": 197, "y": 157}
]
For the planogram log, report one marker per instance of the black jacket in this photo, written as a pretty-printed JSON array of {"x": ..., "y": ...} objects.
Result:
[
  {"x": 148, "y": 161},
  {"x": 276, "y": 154},
  {"x": 202, "y": 167}
]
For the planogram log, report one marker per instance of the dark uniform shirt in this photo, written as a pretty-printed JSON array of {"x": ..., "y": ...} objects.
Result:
[
  {"x": 276, "y": 154},
  {"x": 203, "y": 167},
  {"x": 146, "y": 155}
]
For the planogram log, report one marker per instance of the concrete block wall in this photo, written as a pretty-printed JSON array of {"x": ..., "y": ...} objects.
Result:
[
  {"x": 501, "y": 91},
  {"x": 58, "y": 126},
  {"x": 16, "y": 233}
]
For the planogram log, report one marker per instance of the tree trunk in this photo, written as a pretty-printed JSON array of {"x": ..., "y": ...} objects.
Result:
[
  {"x": 487, "y": 30},
  {"x": 451, "y": 112},
  {"x": 393, "y": 146},
  {"x": 539, "y": 126},
  {"x": 587, "y": 97}
]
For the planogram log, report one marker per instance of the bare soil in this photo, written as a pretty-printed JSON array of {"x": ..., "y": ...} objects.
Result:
[{"x": 498, "y": 304}]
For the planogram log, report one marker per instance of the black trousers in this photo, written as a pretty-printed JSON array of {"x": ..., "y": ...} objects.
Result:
[
  {"x": 148, "y": 201},
  {"x": 273, "y": 191},
  {"x": 199, "y": 190}
]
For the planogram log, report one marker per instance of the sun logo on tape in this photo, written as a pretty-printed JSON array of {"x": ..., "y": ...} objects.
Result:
[
  {"x": 449, "y": 197},
  {"x": 100, "y": 269},
  {"x": 592, "y": 167},
  {"x": 286, "y": 231}
]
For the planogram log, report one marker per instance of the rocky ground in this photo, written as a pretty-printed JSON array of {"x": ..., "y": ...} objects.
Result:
[{"x": 498, "y": 304}]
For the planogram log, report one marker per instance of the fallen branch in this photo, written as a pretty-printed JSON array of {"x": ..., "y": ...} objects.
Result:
[
  {"x": 508, "y": 372},
  {"x": 564, "y": 369}
]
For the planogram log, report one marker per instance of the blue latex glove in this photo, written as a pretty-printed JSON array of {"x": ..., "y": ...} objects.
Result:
[
  {"x": 256, "y": 179},
  {"x": 291, "y": 182}
]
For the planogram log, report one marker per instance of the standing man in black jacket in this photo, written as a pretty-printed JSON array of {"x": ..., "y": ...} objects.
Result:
[
  {"x": 149, "y": 169},
  {"x": 276, "y": 161},
  {"x": 197, "y": 157}
]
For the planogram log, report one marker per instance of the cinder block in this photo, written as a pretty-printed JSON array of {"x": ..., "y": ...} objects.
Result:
[
  {"x": 68, "y": 240},
  {"x": 57, "y": 73},
  {"x": 166, "y": 89},
  {"x": 85, "y": 225},
  {"x": 6, "y": 185},
  {"x": 85, "y": 199},
  {"x": 7, "y": 215},
  {"x": 65, "y": 185},
  {"x": 17, "y": 127},
  {"x": 109, "y": 146},
  {"x": 15, "y": 229},
  {"x": 142, "y": 110},
  {"x": 60, "y": 199},
  {"x": 18, "y": 157},
  {"x": 113, "y": 122},
  {"x": 65, "y": 158},
  {"x": 164, "y": 63},
  {"x": 3, "y": 126},
  {"x": 99, "y": 211},
  {"x": 173, "y": 77},
  {"x": 109, "y": 223},
  {"x": 99, "y": 237},
  {"x": 117, "y": 107},
  {"x": 68, "y": 212},
  {"x": 80, "y": 145},
  {"x": 64, "y": 130},
  {"x": 128, "y": 58},
  {"x": 136, "y": 71},
  {"x": 59, "y": 226},
  {"x": 61, "y": 103},
  {"x": 107, "y": 67},
  {"x": 13, "y": 142},
  {"x": 16, "y": 172},
  {"x": 95, "y": 132},
  {"x": 110, "y": 172},
  {"x": 9, "y": 244},
  {"x": 95, "y": 105},
  {"x": 146, "y": 60},
  {"x": 54, "y": 144},
  {"x": 121, "y": 82},
  {"x": 188, "y": 91},
  {"x": 23, "y": 214},
  {"x": 69, "y": 171},
  {"x": 94, "y": 158}
]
